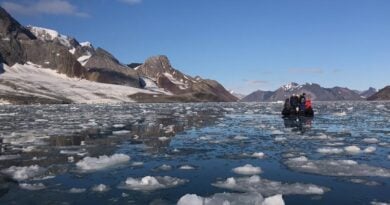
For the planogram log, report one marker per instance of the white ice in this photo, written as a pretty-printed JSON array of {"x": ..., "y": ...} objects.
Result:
[
  {"x": 32, "y": 187},
  {"x": 352, "y": 149},
  {"x": 77, "y": 190},
  {"x": 100, "y": 188},
  {"x": 259, "y": 155},
  {"x": 330, "y": 150},
  {"x": 371, "y": 140},
  {"x": 231, "y": 199},
  {"x": 186, "y": 167},
  {"x": 23, "y": 173},
  {"x": 268, "y": 187},
  {"x": 102, "y": 162},
  {"x": 247, "y": 169},
  {"x": 335, "y": 167},
  {"x": 150, "y": 183}
]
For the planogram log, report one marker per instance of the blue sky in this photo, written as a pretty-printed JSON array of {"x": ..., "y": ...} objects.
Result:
[{"x": 244, "y": 44}]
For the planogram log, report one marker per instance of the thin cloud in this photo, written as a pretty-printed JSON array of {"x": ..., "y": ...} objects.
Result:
[
  {"x": 48, "y": 7},
  {"x": 306, "y": 70},
  {"x": 255, "y": 82},
  {"x": 131, "y": 2}
]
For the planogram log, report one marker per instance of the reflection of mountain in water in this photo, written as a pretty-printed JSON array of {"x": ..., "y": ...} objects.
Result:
[{"x": 298, "y": 124}]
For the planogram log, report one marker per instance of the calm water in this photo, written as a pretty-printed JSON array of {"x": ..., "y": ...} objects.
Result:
[{"x": 50, "y": 154}]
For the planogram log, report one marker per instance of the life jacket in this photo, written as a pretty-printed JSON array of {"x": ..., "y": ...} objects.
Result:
[{"x": 308, "y": 104}]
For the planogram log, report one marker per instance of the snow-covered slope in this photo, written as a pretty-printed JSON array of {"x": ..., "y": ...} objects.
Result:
[
  {"x": 32, "y": 80},
  {"x": 46, "y": 34}
]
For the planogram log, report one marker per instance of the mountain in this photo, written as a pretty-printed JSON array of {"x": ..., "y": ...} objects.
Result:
[
  {"x": 159, "y": 71},
  {"x": 257, "y": 96},
  {"x": 382, "y": 94},
  {"x": 237, "y": 95},
  {"x": 368, "y": 93},
  {"x": 314, "y": 90},
  {"x": 40, "y": 65}
]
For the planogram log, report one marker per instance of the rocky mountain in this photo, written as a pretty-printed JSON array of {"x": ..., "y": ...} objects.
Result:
[
  {"x": 38, "y": 50},
  {"x": 159, "y": 71},
  {"x": 257, "y": 96},
  {"x": 237, "y": 95},
  {"x": 368, "y": 93},
  {"x": 382, "y": 94},
  {"x": 314, "y": 90}
]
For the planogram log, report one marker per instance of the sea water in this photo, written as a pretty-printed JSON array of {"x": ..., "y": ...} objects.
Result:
[{"x": 211, "y": 153}]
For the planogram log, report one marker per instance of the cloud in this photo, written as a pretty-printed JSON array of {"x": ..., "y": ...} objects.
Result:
[
  {"x": 48, "y": 7},
  {"x": 131, "y": 2},
  {"x": 306, "y": 70}
]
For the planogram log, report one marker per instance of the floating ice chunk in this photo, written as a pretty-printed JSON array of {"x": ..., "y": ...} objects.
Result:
[
  {"x": 77, "y": 190},
  {"x": 247, "y": 169},
  {"x": 352, "y": 149},
  {"x": 280, "y": 139},
  {"x": 163, "y": 138},
  {"x": 100, "y": 188},
  {"x": 364, "y": 182},
  {"x": 137, "y": 164},
  {"x": 379, "y": 203},
  {"x": 330, "y": 150},
  {"x": 118, "y": 125},
  {"x": 239, "y": 137},
  {"x": 121, "y": 132},
  {"x": 9, "y": 157},
  {"x": 268, "y": 187},
  {"x": 274, "y": 200},
  {"x": 277, "y": 132},
  {"x": 370, "y": 149},
  {"x": 102, "y": 162},
  {"x": 150, "y": 183},
  {"x": 164, "y": 167},
  {"x": 230, "y": 199},
  {"x": 186, "y": 167},
  {"x": 340, "y": 114},
  {"x": 336, "y": 168},
  {"x": 371, "y": 140},
  {"x": 259, "y": 155},
  {"x": 32, "y": 187},
  {"x": 23, "y": 173}
]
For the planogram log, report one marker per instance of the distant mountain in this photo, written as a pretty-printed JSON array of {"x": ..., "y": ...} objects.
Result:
[
  {"x": 257, "y": 96},
  {"x": 382, "y": 94},
  {"x": 237, "y": 95},
  {"x": 28, "y": 55},
  {"x": 368, "y": 93},
  {"x": 314, "y": 90}
]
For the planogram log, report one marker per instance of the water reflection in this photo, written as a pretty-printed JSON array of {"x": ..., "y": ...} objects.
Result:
[{"x": 298, "y": 124}]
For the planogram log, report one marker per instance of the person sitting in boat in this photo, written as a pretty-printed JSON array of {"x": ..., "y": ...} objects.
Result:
[
  {"x": 294, "y": 102},
  {"x": 302, "y": 102},
  {"x": 308, "y": 104}
]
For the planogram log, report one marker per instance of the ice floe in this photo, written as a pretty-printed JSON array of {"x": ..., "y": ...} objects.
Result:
[
  {"x": 335, "y": 167},
  {"x": 231, "y": 199},
  {"x": 371, "y": 140},
  {"x": 77, "y": 190},
  {"x": 32, "y": 187},
  {"x": 369, "y": 149},
  {"x": 330, "y": 150},
  {"x": 100, "y": 188},
  {"x": 352, "y": 149},
  {"x": 23, "y": 173},
  {"x": 186, "y": 167},
  {"x": 102, "y": 162},
  {"x": 259, "y": 155},
  {"x": 267, "y": 187},
  {"x": 164, "y": 167},
  {"x": 247, "y": 169},
  {"x": 151, "y": 183}
]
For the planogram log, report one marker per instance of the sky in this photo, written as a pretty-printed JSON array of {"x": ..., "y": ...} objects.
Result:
[{"x": 246, "y": 45}]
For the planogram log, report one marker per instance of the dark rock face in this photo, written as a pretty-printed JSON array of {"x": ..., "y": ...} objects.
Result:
[
  {"x": 159, "y": 69},
  {"x": 55, "y": 56},
  {"x": 314, "y": 90},
  {"x": 104, "y": 67},
  {"x": 382, "y": 94},
  {"x": 257, "y": 96}
]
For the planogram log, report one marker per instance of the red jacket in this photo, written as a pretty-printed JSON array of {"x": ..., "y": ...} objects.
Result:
[{"x": 308, "y": 104}]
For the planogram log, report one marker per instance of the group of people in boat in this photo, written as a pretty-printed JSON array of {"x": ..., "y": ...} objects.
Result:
[{"x": 298, "y": 105}]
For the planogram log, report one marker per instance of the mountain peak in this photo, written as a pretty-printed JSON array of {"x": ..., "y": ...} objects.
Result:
[{"x": 290, "y": 86}]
